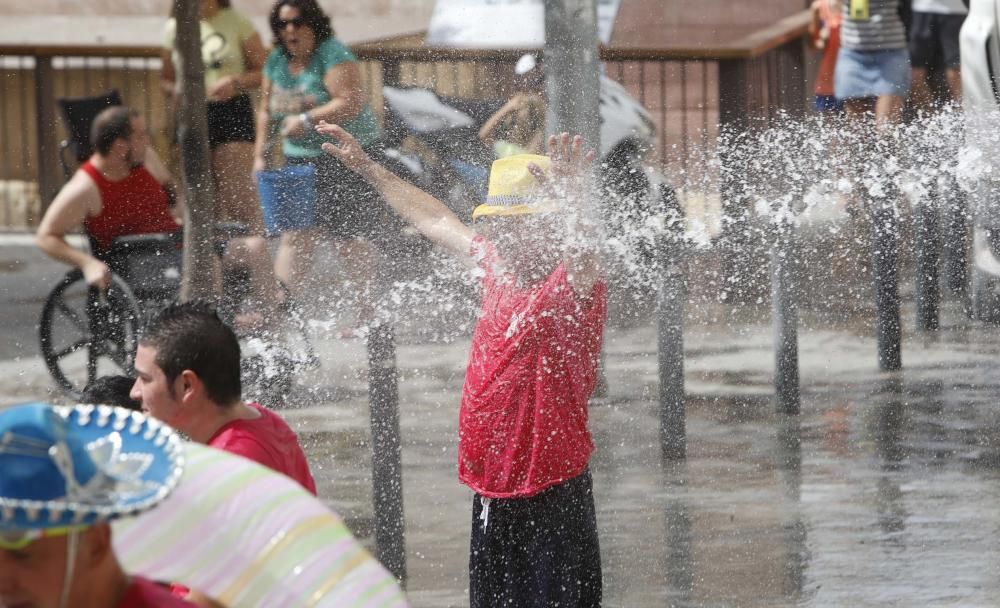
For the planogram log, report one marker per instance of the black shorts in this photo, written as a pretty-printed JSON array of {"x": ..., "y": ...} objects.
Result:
[
  {"x": 537, "y": 552},
  {"x": 230, "y": 120},
  {"x": 347, "y": 206},
  {"x": 934, "y": 38}
]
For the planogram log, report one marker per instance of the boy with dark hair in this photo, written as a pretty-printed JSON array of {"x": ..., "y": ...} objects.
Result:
[
  {"x": 125, "y": 189},
  {"x": 111, "y": 390},
  {"x": 191, "y": 336},
  {"x": 188, "y": 376},
  {"x": 524, "y": 445}
]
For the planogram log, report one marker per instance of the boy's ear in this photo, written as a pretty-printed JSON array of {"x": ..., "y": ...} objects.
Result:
[{"x": 188, "y": 385}]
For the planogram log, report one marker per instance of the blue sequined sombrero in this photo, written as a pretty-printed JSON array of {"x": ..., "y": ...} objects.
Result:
[{"x": 78, "y": 465}]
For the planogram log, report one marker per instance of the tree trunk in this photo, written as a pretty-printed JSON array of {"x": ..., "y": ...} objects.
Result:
[{"x": 196, "y": 170}]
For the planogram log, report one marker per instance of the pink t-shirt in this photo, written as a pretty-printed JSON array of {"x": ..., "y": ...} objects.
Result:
[
  {"x": 532, "y": 368},
  {"x": 267, "y": 440},
  {"x": 143, "y": 593}
]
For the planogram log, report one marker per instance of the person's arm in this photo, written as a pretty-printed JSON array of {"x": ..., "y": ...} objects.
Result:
[
  {"x": 424, "y": 212},
  {"x": 77, "y": 200},
  {"x": 347, "y": 100},
  {"x": 254, "y": 56},
  {"x": 816, "y": 26},
  {"x": 262, "y": 143},
  {"x": 168, "y": 86},
  {"x": 571, "y": 181},
  {"x": 158, "y": 169},
  {"x": 155, "y": 165},
  {"x": 168, "y": 75},
  {"x": 488, "y": 130},
  {"x": 168, "y": 71}
]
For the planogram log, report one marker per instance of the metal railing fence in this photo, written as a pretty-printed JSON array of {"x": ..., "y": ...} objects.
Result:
[{"x": 690, "y": 93}]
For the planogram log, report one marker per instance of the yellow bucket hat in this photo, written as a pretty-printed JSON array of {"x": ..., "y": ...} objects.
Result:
[{"x": 511, "y": 186}]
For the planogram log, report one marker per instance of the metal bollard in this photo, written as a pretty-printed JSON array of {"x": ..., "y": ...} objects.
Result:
[
  {"x": 885, "y": 273},
  {"x": 785, "y": 315},
  {"x": 793, "y": 533},
  {"x": 958, "y": 238},
  {"x": 387, "y": 466},
  {"x": 927, "y": 258},
  {"x": 670, "y": 333},
  {"x": 679, "y": 569}
]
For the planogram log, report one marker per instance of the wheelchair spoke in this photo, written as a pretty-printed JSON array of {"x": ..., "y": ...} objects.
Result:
[
  {"x": 72, "y": 348},
  {"x": 92, "y": 355},
  {"x": 120, "y": 359},
  {"x": 74, "y": 318}
]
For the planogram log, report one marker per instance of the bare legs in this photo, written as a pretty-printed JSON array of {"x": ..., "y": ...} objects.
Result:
[
  {"x": 236, "y": 201},
  {"x": 888, "y": 110},
  {"x": 954, "y": 76},
  {"x": 358, "y": 258},
  {"x": 922, "y": 92},
  {"x": 295, "y": 257}
]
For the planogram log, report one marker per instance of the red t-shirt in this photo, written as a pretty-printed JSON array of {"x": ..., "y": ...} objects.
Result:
[
  {"x": 135, "y": 205},
  {"x": 532, "y": 368},
  {"x": 143, "y": 593},
  {"x": 267, "y": 440}
]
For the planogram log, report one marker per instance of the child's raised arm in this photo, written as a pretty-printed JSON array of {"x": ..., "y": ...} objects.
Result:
[{"x": 571, "y": 181}]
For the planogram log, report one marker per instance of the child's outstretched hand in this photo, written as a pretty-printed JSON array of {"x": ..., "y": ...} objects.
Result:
[
  {"x": 570, "y": 166},
  {"x": 344, "y": 147},
  {"x": 570, "y": 181}
]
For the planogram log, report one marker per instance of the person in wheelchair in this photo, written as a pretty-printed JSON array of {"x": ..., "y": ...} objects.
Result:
[
  {"x": 125, "y": 189},
  {"x": 122, "y": 189}
]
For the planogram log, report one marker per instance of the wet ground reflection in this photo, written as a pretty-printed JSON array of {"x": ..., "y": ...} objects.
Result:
[{"x": 882, "y": 493}]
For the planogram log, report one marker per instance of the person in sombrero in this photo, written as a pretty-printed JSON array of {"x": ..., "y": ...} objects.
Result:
[
  {"x": 65, "y": 474},
  {"x": 524, "y": 444}
]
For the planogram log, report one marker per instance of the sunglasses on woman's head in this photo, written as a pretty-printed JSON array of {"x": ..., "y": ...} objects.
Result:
[{"x": 297, "y": 22}]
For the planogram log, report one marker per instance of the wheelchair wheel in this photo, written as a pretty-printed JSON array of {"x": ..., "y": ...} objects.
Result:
[{"x": 85, "y": 333}]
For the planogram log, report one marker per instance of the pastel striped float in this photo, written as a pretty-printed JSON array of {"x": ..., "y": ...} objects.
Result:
[{"x": 251, "y": 537}]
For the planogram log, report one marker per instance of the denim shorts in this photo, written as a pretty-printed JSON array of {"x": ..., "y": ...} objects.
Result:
[
  {"x": 863, "y": 74},
  {"x": 230, "y": 120},
  {"x": 347, "y": 206}
]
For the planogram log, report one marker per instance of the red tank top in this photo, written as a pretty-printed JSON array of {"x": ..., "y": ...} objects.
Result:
[
  {"x": 134, "y": 205},
  {"x": 532, "y": 367}
]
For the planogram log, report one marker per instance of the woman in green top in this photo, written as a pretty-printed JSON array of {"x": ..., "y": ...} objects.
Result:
[
  {"x": 233, "y": 55},
  {"x": 309, "y": 76}
]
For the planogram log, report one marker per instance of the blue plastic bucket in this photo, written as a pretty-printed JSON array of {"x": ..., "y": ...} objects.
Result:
[{"x": 288, "y": 198}]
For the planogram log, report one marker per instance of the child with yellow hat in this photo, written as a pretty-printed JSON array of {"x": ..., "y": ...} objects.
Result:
[{"x": 524, "y": 443}]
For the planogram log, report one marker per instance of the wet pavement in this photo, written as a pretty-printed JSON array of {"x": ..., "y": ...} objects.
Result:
[{"x": 883, "y": 492}]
